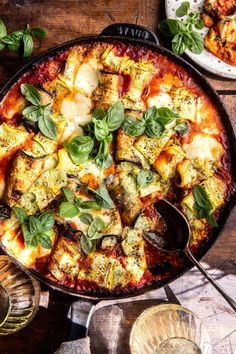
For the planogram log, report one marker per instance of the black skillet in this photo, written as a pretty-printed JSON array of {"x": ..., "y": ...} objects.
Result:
[{"x": 142, "y": 37}]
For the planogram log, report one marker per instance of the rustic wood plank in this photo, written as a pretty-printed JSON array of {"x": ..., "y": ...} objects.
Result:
[{"x": 70, "y": 19}]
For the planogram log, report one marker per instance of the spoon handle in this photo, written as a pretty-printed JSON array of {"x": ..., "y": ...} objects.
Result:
[{"x": 230, "y": 301}]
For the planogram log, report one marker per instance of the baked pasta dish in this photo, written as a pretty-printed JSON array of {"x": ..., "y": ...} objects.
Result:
[
  {"x": 220, "y": 16},
  {"x": 90, "y": 139}
]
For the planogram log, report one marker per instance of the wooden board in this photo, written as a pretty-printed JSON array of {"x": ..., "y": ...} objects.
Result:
[{"x": 70, "y": 19}]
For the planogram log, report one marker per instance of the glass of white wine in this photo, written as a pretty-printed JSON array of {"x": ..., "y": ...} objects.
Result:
[{"x": 19, "y": 297}]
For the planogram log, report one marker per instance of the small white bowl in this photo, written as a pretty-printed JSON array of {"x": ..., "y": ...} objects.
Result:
[{"x": 171, "y": 329}]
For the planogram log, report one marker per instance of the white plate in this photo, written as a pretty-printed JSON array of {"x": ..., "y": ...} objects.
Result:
[{"x": 206, "y": 60}]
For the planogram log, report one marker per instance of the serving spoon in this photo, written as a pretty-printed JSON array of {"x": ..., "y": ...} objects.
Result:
[{"x": 176, "y": 237}]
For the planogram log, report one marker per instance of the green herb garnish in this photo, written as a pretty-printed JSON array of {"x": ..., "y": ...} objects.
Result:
[
  {"x": 102, "y": 197},
  {"x": 202, "y": 205},
  {"x": 182, "y": 128},
  {"x": 88, "y": 240},
  {"x": 36, "y": 229},
  {"x": 37, "y": 112},
  {"x": 21, "y": 40},
  {"x": 144, "y": 178},
  {"x": 79, "y": 148},
  {"x": 153, "y": 122},
  {"x": 71, "y": 205},
  {"x": 184, "y": 37}
]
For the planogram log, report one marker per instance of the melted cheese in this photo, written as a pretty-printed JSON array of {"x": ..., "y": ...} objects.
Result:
[
  {"x": 203, "y": 146},
  {"x": 160, "y": 100},
  {"x": 87, "y": 77},
  {"x": 76, "y": 107}
]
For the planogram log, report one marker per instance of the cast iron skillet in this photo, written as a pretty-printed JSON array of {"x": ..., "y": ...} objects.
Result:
[{"x": 138, "y": 35}]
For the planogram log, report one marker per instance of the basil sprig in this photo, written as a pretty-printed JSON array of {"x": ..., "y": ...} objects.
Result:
[
  {"x": 182, "y": 128},
  {"x": 36, "y": 229},
  {"x": 153, "y": 122},
  {"x": 144, "y": 178},
  {"x": 70, "y": 207},
  {"x": 21, "y": 40},
  {"x": 37, "y": 112},
  {"x": 104, "y": 123},
  {"x": 182, "y": 33},
  {"x": 88, "y": 241},
  {"x": 102, "y": 197},
  {"x": 202, "y": 205},
  {"x": 79, "y": 148}
]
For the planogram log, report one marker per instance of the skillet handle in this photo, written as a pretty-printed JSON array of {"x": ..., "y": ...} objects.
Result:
[{"x": 130, "y": 30}]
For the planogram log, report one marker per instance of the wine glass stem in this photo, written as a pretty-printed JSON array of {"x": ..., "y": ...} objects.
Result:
[{"x": 230, "y": 301}]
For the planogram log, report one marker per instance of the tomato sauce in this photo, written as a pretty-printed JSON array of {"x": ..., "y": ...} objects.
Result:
[{"x": 161, "y": 265}]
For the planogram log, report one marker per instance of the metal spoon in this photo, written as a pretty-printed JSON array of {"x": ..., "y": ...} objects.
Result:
[{"x": 176, "y": 238}]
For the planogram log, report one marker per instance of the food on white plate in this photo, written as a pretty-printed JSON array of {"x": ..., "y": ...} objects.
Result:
[{"x": 220, "y": 17}]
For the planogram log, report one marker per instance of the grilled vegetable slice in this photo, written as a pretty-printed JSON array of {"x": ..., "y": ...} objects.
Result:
[
  {"x": 24, "y": 171},
  {"x": 10, "y": 139}
]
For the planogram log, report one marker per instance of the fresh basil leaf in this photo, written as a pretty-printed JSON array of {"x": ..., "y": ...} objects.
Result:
[
  {"x": 47, "y": 126},
  {"x": 203, "y": 206},
  {"x": 39, "y": 32},
  {"x": 102, "y": 197},
  {"x": 13, "y": 39},
  {"x": 86, "y": 218},
  {"x": 90, "y": 204},
  {"x": 115, "y": 116},
  {"x": 108, "y": 139},
  {"x": 182, "y": 128},
  {"x": 45, "y": 240},
  {"x": 3, "y": 30},
  {"x": 47, "y": 221},
  {"x": 2, "y": 45},
  {"x": 31, "y": 94},
  {"x": 104, "y": 161},
  {"x": 87, "y": 245},
  {"x": 150, "y": 113},
  {"x": 68, "y": 210},
  {"x": 101, "y": 129},
  {"x": 171, "y": 27},
  {"x": 78, "y": 158},
  {"x": 133, "y": 127},
  {"x": 32, "y": 113},
  {"x": 69, "y": 195},
  {"x": 144, "y": 178},
  {"x": 178, "y": 44},
  {"x": 96, "y": 225},
  {"x": 99, "y": 113},
  {"x": 35, "y": 226},
  {"x": 197, "y": 45},
  {"x": 154, "y": 128},
  {"x": 165, "y": 116},
  {"x": 183, "y": 9},
  {"x": 79, "y": 148},
  {"x": 199, "y": 24},
  {"x": 27, "y": 236},
  {"x": 201, "y": 197},
  {"x": 211, "y": 220},
  {"x": 20, "y": 214},
  {"x": 28, "y": 45}
]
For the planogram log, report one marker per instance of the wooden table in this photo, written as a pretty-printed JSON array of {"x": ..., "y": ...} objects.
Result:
[{"x": 66, "y": 20}]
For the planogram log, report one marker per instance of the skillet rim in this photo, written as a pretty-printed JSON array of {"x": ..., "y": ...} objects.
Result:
[{"x": 208, "y": 243}]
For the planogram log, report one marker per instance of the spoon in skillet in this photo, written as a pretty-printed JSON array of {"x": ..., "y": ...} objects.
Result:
[{"x": 176, "y": 237}]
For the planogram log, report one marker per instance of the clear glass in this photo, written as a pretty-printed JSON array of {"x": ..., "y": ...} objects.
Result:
[
  {"x": 19, "y": 297},
  {"x": 169, "y": 329}
]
